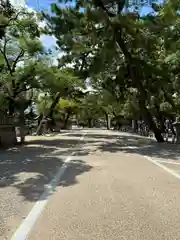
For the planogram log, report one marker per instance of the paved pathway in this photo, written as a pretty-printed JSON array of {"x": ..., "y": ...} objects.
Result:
[{"x": 109, "y": 186}]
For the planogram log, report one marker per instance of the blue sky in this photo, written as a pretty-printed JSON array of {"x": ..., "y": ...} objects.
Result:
[
  {"x": 39, "y": 4},
  {"x": 49, "y": 41},
  {"x": 45, "y": 4}
]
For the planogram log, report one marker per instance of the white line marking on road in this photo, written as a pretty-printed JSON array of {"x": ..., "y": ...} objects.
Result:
[
  {"x": 176, "y": 175},
  {"x": 169, "y": 162},
  {"x": 157, "y": 163},
  {"x": 28, "y": 223}
]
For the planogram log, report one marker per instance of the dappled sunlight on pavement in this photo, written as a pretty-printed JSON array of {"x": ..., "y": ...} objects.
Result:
[
  {"x": 108, "y": 190},
  {"x": 121, "y": 196}
]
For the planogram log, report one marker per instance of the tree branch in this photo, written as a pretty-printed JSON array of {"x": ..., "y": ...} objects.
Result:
[
  {"x": 21, "y": 54},
  {"x": 12, "y": 19},
  {"x": 3, "y": 51}
]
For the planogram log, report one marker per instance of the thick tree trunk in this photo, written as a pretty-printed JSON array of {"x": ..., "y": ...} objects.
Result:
[
  {"x": 136, "y": 77},
  {"x": 147, "y": 115},
  {"x": 149, "y": 120},
  {"x": 142, "y": 102}
]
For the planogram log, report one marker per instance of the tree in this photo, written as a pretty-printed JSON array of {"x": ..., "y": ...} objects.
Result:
[
  {"x": 57, "y": 83},
  {"x": 19, "y": 45},
  {"x": 7, "y": 14},
  {"x": 65, "y": 109},
  {"x": 19, "y": 50},
  {"x": 124, "y": 48}
]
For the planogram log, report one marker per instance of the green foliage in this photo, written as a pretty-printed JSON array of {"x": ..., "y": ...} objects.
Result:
[
  {"x": 64, "y": 104},
  {"x": 121, "y": 52},
  {"x": 43, "y": 103},
  {"x": 7, "y": 14},
  {"x": 66, "y": 108},
  {"x": 19, "y": 49},
  {"x": 131, "y": 61},
  {"x": 61, "y": 89}
]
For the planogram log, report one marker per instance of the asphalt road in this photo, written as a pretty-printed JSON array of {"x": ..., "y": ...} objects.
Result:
[{"x": 106, "y": 185}]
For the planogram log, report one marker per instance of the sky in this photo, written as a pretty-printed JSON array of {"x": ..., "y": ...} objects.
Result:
[
  {"x": 45, "y": 4},
  {"x": 49, "y": 41},
  {"x": 39, "y": 4}
]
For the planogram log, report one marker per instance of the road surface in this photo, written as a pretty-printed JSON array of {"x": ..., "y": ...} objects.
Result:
[{"x": 90, "y": 185}]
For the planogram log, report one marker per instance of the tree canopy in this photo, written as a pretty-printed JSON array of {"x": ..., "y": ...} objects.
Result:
[
  {"x": 131, "y": 63},
  {"x": 132, "y": 57}
]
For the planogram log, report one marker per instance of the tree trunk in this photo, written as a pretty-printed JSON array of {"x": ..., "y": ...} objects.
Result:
[
  {"x": 149, "y": 120},
  {"x": 40, "y": 123},
  {"x": 160, "y": 118},
  {"x": 22, "y": 126},
  {"x": 39, "y": 130},
  {"x": 135, "y": 72},
  {"x": 66, "y": 120},
  {"x": 22, "y": 134},
  {"x": 134, "y": 125},
  {"x": 49, "y": 114},
  {"x": 107, "y": 121},
  {"x": 11, "y": 107},
  {"x": 89, "y": 123},
  {"x": 13, "y": 136},
  {"x": 171, "y": 127},
  {"x": 53, "y": 105}
]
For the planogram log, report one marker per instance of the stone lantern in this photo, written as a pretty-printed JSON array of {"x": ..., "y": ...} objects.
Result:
[{"x": 177, "y": 127}]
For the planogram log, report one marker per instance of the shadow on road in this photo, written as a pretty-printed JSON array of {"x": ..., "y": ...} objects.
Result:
[
  {"x": 74, "y": 168},
  {"x": 63, "y": 143},
  {"x": 142, "y": 146},
  {"x": 132, "y": 143},
  {"x": 96, "y": 136},
  {"x": 29, "y": 168}
]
